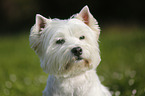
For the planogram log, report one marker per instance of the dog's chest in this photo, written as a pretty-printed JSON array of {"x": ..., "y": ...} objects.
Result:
[{"x": 78, "y": 86}]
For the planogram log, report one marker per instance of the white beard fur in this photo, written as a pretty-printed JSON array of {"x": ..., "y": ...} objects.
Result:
[
  {"x": 67, "y": 75},
  {"x": 86, "y": 84}
]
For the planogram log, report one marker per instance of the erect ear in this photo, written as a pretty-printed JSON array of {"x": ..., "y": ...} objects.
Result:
[
  {"x": 86, "y": 16},
  {"x": 41, "y": 22},
  {"x": 88, "y": 19}
]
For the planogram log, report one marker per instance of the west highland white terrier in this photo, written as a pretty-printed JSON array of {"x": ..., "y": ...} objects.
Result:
[{"x": 69, "y": 52}]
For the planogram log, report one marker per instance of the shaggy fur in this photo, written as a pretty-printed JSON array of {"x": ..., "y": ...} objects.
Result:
[{"x": 69, "y": 52}]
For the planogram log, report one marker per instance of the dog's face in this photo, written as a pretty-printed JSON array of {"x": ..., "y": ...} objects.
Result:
[{"x": 66, "y": 47}]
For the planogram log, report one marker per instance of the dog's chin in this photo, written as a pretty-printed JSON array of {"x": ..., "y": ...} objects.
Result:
[{"x": 78, "y": 66}]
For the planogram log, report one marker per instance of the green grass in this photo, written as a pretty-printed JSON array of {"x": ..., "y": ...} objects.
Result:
[{"x": 122, "y": 67}]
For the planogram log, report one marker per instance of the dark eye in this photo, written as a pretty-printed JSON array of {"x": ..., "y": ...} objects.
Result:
[
  {"x": 82, "y": 37},
  {"x": 60, "y": 41}
]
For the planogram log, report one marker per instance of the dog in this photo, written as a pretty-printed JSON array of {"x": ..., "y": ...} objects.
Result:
[{"x": 69, "y": 52}]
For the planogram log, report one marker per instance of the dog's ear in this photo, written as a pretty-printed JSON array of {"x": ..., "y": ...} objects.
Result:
[
  {"x": 88, "y": 19},
  {"x": 86, "y": 16},
  {"x": 41, "y": 22}
]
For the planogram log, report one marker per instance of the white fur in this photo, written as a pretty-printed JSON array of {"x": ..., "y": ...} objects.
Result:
[{"x": 68, "y": 76}]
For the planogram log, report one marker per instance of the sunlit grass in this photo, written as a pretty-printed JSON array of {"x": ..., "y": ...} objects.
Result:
[
  {"x": 121, "y": 68},
  {"x": 122, "y": 65},
  {"x": 20, "y": 70}
]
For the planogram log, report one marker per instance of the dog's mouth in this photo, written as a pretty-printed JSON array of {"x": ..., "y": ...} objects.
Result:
[
  {"x": 82, "y": 60},
  {"x": 78, "y": 58}
]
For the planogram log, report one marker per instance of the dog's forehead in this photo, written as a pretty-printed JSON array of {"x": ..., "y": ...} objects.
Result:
[
  {"x": 68, "y": 23},
  {"x": 70, "y": 26}
]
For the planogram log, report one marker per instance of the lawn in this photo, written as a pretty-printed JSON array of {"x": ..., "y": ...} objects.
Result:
[{"x": 122, "y": 67}]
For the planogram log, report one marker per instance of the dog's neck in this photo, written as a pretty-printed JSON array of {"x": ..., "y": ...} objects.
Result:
[{"x": 85, "y": 75}]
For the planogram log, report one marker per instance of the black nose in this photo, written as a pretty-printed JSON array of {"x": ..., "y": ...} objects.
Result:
[{"x": 77, "y": 51}]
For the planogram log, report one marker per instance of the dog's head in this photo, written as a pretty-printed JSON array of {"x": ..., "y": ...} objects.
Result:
[{"x": 67, "y": 47}]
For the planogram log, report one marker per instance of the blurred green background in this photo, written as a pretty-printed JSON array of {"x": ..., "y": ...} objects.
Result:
[{"x": 122, "y": 44}]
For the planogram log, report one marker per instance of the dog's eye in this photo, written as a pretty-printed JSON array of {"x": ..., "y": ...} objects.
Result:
[
  {"x": 60, "y": 41},
  {"x": 82, "y": 37}
]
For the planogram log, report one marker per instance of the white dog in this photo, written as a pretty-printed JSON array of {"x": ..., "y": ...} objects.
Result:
[{"x": 69, "y": 52}]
